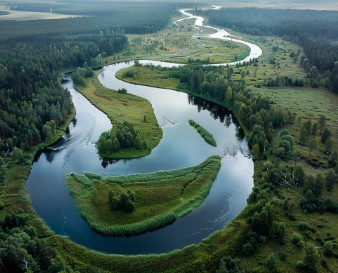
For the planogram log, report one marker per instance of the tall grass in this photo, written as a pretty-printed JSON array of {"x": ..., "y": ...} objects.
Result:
[{"x": 161, "y": 197}]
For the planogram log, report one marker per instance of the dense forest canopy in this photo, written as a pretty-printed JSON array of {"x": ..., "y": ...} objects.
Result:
[
  {"x": 131, "y": 17},
  {"x": 315, "y": 31}
]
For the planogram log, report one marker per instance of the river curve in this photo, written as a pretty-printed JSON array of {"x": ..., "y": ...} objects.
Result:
[{"x": 180, "y": 147}]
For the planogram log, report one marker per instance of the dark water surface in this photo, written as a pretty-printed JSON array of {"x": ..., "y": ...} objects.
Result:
[{"x": 180, "y": 147}]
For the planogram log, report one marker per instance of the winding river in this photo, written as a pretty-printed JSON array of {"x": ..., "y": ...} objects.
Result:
[{"x": 180, "y": 147}]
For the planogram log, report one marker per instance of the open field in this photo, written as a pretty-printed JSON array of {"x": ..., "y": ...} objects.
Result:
[
  {"x": 306, "y": 103},
  {"x": 160, "y": 197},
  {"x": 31, "y": 15}
]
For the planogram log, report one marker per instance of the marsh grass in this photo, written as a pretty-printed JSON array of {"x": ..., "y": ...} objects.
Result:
[
  {"x": 207, "y": 136},
  {"x": 161, "y": 197}
]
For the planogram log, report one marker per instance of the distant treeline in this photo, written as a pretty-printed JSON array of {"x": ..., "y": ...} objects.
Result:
[
  {"x": 315, "y": 31},
  {"x": 125, "y": 17}
]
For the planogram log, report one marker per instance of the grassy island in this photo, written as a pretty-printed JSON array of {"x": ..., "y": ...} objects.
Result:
[
  {"x": 157, "y": 199},
  {"x": 121, "y": 107},
  {"x": 207, "y": 136}
]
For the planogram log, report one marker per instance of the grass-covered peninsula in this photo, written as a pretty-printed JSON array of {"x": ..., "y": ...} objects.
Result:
[
  {"x": 121, "y": 107},
  {"x": 126, "y": 205}
]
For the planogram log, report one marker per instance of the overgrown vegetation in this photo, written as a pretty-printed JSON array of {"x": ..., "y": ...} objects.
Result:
[
  {"x": 138, "y": 203},
  {"x": 22, "y": 250},
  {"x": 207, "y": 136}
]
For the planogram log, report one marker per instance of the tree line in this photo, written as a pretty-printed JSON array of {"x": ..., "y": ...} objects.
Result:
[
  {"x": 106, "y": 17},
  {"x": 33, "y": 104},
  {"x": 315, "y": 31}
]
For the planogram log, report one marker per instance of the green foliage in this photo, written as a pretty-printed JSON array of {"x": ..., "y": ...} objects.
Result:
[
  {"x": 124, "y": 201},
  {"x": 21, "y": 249},
  {"x": 207, "y": 136},
  {"x": 103, "y": 19},
  {"x": 49, "y": 129},
  {"x": 330, "y": 180},
  {"x": 286, "y": 144},
  {"x": 121, "y": 136},
  {"x": 311, "y": 259},
  {"x": 251, "y": 243},
  {"x": 271, "y": 263},
  {"x": 316, "y": 185},
  {"x": 229, "y": 264},
  {"x": 278, "y": 231},
  {"x": 18, "y": 155},
  {"x": 122, "y": 91},
  {"x": 326, "y": 134},
  {"x": 257, "y": 136},
  {"x": 310, "y": 203},
  {"x": 262, "y": 219},
  {"x": 297, "y": 239},
  {"x": 328, "y": 248},
  {"x": 299, "y": 176},
  {"x": 31, "y": 60},
  {"x": 333, "y": 159}
]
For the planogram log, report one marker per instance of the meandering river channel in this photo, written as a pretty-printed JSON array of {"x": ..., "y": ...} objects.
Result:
[{"x": 180, "y": 147}]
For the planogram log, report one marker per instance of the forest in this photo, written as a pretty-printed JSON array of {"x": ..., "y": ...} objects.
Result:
[
  {"x": 315, "y": 31},
  {"x": 34, "y": 52}
]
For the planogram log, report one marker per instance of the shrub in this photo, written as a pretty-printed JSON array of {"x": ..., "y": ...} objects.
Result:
[
  {"x": 328, "y": 248},
  {"x": 123, "y": 201},
  {"x": 122, "y": 91},
  {"x": 271, "y": 262},
  {"x": 296, "y": 239},
  {"x": 229, "y": 264}
]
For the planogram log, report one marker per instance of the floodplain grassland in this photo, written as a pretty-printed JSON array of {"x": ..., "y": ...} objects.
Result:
[
  {"x": 161, "y": 197},
  {"x": 177, "y": 44},
  {"x": 307, "y": 104},
  {"x": 125, "y": 107},
  {"x": 275, "y": 61},
  {"x": 148, "y": 76}
]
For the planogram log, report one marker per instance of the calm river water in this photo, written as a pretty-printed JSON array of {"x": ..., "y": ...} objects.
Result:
[{"x": 181, "y": 146}]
